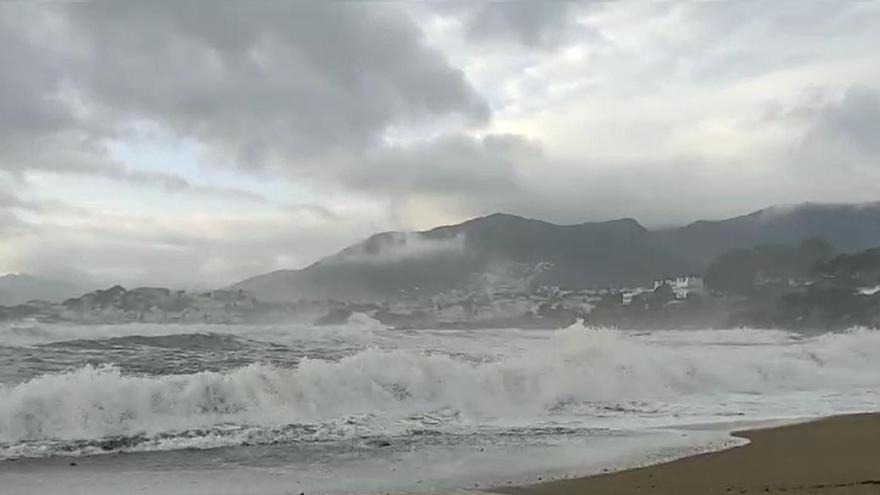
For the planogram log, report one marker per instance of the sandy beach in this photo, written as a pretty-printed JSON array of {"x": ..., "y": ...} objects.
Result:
[{"x": 838, "y": 455}]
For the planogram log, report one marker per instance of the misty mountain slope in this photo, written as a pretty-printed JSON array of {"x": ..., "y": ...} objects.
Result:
[
  {"x": 848, "y": 227},
  {"x": 613, "y": 253},
  {"x": 20, "y": 288},
  {"x": 618, "y": 252},
  {"x": 443, "y": 258}
]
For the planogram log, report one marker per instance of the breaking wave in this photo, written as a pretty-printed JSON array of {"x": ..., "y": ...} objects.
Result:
[{"x": 100, "y": 408}]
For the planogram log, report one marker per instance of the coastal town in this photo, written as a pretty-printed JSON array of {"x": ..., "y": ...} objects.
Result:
[
  {"x": 474, "y": 306},
  {"x": 683, "y": 301}
]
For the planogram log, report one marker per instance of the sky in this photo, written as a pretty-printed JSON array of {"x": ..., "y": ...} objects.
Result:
[{"x": 203, "y": 142}]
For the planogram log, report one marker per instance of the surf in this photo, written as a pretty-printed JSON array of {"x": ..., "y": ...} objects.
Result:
[{"x": 577, "y": 371}]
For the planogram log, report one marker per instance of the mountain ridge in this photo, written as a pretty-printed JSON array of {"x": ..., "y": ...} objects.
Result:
[{"x": 618, "y": 252}]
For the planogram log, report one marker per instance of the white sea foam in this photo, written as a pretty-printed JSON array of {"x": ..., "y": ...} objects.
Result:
[{"x": 575, "y": 373}]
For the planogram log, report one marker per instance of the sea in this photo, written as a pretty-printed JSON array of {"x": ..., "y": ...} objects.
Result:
[{"x": 363, "y": 408}]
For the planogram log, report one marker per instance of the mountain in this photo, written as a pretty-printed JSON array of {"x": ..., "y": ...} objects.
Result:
[
  {"x": 19, "y": 288},
  {"x": 505, "y": 250},
  {"x": 848, "y": 227},
  {"x": 448, "y": 257}
]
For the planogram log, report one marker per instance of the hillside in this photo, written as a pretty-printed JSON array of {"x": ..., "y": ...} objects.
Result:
[
  {"x": 848, "y": 227},
  {"x": 505, "y": 250}
]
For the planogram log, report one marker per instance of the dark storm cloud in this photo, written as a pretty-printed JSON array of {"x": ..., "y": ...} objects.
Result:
[
  {"x": 263, "y": 84},
  {"x": 269, "y": 86},
  {"x": 39, "y": 125},
  {"x": 268, "y": 80},
  {"x": 28, "y": 83}
]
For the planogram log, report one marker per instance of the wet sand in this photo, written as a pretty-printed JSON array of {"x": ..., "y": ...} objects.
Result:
[{"x": 838, "y": 455}]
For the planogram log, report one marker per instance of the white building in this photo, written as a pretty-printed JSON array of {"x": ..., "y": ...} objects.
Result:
[{"x": 683, "y": 285}]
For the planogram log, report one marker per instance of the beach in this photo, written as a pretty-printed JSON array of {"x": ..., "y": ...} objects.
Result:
[{"x": 837, "y": 455}]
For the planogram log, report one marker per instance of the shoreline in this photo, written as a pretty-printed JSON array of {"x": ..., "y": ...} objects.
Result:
[{"x": 831, "y": 455}]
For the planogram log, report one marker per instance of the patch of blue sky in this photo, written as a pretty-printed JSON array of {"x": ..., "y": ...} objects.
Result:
[{"x": 148, "y": 148}]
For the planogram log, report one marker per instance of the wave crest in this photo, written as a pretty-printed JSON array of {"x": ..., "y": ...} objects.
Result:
[{"x": 578, "y": 365}]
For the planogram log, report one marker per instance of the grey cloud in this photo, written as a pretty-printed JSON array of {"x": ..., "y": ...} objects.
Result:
[
  {"x": 450, "y": 166},
  {"x": 10, "y": 199},
  {"x": 264, "y": 85},
  {"x": 10, "y": 224},
  {"x": 65, "y": 154},
  {"x": 733, "y": 40},
  {"x": 311, "y": 89},
  {"x": 176, "y": 183},
  {"x": 534, "y": 23},
  {"x": 116, "y": 246},
  {"x": 12, "y": 203},
  {"x": 841, "y": 133},
  {"x": 138, "y": 250},
  {"x": 467, "y": 177},
  {"x": 541, "y": 24},
  {"x": 855, "y": 118},
  {"x": 318, "y": 211},
  {"x": 267, "y": 81},
  {"x": 29, "y": 84}
]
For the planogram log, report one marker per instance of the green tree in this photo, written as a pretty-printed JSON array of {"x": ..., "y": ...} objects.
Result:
[
  {"x": 734, "y": 272},
  {"x": 816, "y": 248},
  {"x": 663, "y": 294}
]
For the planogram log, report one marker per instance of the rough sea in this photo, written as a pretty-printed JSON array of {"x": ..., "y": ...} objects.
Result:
[{"x": 361, "y": 408}]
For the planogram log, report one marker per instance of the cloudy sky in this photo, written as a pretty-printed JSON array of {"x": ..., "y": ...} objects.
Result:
[{"x": 178, "y": 142}]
